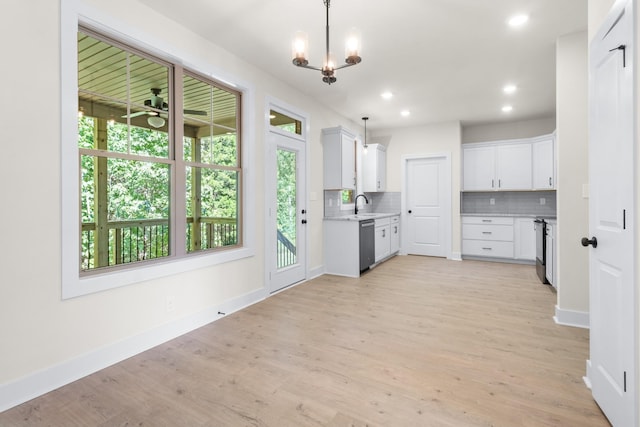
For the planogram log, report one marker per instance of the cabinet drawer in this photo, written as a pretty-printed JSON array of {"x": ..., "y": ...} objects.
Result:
[
  {"x": 382, "y": 222},
  {"x": 487, "y": 248},
  {"x": 499, "y": 220},
  {"x": 487, "y": 232},
  {"x": 395, "y": 219}
]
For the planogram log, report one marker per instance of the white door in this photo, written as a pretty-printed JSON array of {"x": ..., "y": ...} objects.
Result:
[
  {"x": 286, "y": 240},
  {"x": 428, "y": 206},
  {"x": 611, "y": 175}
]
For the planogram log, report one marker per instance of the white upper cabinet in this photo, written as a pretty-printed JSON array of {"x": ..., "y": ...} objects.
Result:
[
  {"x": 513, "y": 166},
  {"x": 374, "y": 167},
  {"x": 497, "y": 167},
  {"x": 543, "y": 164},
  {"x": 339, "y": 159},
  {"x": 525, "y": 164},
  {"x": 479, "y": 168}
]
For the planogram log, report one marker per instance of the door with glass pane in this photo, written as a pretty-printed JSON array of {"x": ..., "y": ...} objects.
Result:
[{"x": 287, "y": 214}]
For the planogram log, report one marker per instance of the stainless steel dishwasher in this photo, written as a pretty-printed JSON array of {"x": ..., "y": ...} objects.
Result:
[{"x": 367, "y": 244}]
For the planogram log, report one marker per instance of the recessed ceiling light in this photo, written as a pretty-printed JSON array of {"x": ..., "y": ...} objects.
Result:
[
  {"x": 386, "y": 95},
  {"x": 507, "y": 109},
  {"x": 518, "y": 20},
  {"x": 405, "y": 113},
  {"x": 509, "y": 88}
]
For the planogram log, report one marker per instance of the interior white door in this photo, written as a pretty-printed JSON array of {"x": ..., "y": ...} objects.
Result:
[
  {"x": 287, "y": 212},
  {"x": 611, "y": 175},
  {"x": 428, "y": 206}
]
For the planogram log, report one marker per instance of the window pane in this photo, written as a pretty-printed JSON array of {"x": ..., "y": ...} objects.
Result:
[
  {"x": 286, "y": 209},
  {"x": 210, "y": 123},
  {"x": 102, "y": 68},
  {"x": 285, "y": 122},
  {"x": 125, "y": 211},
  {"x": 212, "y": 197}
]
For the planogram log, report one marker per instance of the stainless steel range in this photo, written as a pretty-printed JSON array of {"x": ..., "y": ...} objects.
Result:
[{"x": 541, "y": 249}]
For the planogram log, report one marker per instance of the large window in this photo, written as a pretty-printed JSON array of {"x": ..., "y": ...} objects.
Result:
[{"x": 143, "y": 195}]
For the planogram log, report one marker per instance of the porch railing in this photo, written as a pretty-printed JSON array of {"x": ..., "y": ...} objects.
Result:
[
  {"x": 138, "y": 240},
  {"x": 286, "y": 251}
]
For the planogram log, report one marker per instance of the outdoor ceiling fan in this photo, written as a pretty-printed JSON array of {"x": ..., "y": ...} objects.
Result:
[{"x": 157, "y": 102}]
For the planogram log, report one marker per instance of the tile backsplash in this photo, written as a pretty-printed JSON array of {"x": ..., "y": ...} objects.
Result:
[
  {"x": 509, "y": 202},
  {"x": 385, "y": 202}
]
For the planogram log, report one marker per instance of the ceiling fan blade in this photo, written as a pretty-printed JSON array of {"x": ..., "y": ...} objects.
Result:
[
  {"x": 195, "y": 112},
  {"x": 139, "y": 113}
]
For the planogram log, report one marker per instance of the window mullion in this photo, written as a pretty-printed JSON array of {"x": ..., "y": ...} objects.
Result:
[{"x": 178, "y": 184}]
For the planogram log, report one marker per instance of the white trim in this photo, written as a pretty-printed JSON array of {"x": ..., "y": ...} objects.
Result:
[
  {"x": 448, "y": 218},
  {"x": 577, "y": 319},
  {"x": 316, "y": 272},
  {"x": 74, "y": 12},
  {"x": 46, "y": 380},
  {"x": 456, "y": 256},
  {"x": 273, "y": 103},
  {"x": 587, "y": 377}
]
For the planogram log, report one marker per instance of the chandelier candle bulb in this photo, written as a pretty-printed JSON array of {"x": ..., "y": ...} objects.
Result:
[
  {"x": 300, "y": 47},
  {"x": 353, "y": 48}
]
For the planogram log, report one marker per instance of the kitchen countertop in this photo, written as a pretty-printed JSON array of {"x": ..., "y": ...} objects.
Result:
[
  {"x": 361, "y": 216},
  {"x": 511, "y": 215}
]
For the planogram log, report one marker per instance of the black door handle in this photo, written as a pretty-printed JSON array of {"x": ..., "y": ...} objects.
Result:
[
  {"x": 304, "y": 221},
  {"x": 304, "y": 211},
  {"x": 409, "y": 211},
  {"x": 586, "y": 242}
]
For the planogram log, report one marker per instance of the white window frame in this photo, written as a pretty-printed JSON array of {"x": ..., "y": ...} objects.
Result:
[{"x": 74, "y": 13}]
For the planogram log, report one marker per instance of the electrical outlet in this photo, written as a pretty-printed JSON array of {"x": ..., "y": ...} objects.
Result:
[
  {"x": 543, "y": 201},
  {"x": 171, "y": 304},
  {"x": 492, "y": 201}
]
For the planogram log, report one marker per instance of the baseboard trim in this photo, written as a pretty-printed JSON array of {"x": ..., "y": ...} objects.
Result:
[
  {"x": 53, "y": 377},
  {"x": 587, "y": 377},
  {"x": 316, "y": 272},
  {"x": 456, "y": 256},
  {"x": 577, "y": 319}
]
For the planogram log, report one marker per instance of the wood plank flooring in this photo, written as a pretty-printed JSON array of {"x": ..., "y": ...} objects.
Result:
[{"x": 417, "y": 341}]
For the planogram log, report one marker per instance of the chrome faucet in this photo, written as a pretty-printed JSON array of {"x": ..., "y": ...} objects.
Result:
[{"x": 355, "y": 202}]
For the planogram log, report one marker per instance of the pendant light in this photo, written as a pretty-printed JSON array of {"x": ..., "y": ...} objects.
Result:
[{"x": 365, "y": 134}]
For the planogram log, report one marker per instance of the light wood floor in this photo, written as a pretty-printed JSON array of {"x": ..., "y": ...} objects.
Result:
[{"x": 415, "y": 342}]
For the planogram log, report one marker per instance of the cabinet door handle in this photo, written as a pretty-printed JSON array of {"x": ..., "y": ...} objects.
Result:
[
  {"x": 487, "y": 249},
  {"x": 487, "y": 220},
  {"x": 492, "y": 183},
  {"x": 486, "y": 232},
  {"x": 549, "y": 181},
  {"x": 499, "y": 183},
  {"x": 384, "y": 233},
  {"x": 395, "y": 229}
]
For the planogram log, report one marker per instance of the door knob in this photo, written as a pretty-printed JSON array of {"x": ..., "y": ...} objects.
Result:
[
  {"x": 409, "y": 211},
  {"x": 587, "y": 242}
]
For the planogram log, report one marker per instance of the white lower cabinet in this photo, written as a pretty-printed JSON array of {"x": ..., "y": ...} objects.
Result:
[
  {"x": 487, "y": 236},
  {"x": 383, "y": 239},
  {"x": 525, "y": 239},
  {"x": 501, "y": 237},
  {"x": 395, "y": 234}
]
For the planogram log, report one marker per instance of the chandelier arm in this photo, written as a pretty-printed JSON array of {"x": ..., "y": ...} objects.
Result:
[
  {"x": 344, "y": 66},
  {"x": 310, "y": 67}
]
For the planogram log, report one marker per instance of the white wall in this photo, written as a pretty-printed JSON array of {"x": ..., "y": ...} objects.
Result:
[
  {"x": 39, "y": 330},
  {"x": 508, "y": 130},
  {"x": 572, "y": 151},
  {"x": 433, "y": 139}
]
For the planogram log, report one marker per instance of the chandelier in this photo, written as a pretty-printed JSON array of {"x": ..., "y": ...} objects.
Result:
[{"x": 328, "y": 70}]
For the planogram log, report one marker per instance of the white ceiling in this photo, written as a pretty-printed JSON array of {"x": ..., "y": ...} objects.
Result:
[{"x": 442, "y": 59}]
